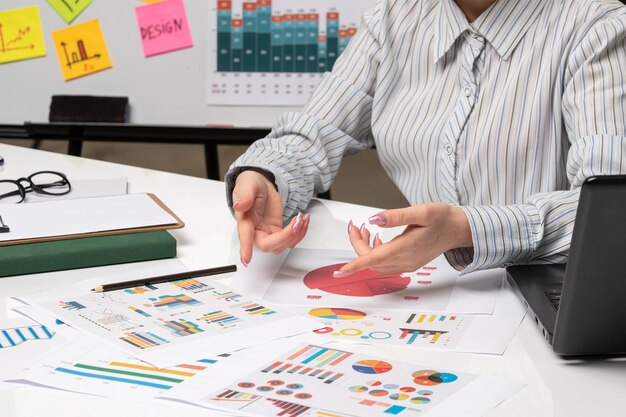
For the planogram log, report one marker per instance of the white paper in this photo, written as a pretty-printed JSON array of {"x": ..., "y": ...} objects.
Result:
[
  {"x": 158, "y": 323},
  {"x": 85, "y": 215},
  {"x": 82, "y": 189},
  {"x": 24, "y": 341},
  {"x": 314, "y": 380},
  {"x": 305, "y": 279},
  {"x": 479, "y": 333}
]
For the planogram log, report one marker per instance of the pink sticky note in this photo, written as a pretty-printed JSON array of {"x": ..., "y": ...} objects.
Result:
[{"x": 163, "y": 27}]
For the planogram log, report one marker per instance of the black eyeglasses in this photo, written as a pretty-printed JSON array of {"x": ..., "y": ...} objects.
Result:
[{"x": 42, "y": 182}]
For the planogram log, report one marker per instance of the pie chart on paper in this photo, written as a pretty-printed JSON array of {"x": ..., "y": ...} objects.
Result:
[
  {"x": 364, "y": 283},
  {"x": 372, "y": 366},
  {"x": 337, "y": 313}
]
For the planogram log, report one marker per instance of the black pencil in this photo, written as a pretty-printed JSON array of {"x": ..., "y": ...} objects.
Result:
[{"x": 166, "y": 278}]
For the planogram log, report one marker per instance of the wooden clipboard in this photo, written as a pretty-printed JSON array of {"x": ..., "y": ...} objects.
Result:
[{"x": 178, "y": 224}]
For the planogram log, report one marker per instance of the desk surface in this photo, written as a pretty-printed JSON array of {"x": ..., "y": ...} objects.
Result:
[{"x": 555, "y": 387}]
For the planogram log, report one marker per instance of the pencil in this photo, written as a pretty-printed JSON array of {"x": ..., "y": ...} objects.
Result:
[{"x": 165, "y": 278}]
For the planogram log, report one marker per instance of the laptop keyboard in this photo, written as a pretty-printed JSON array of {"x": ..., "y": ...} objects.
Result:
[{"x": 555, "y": 297}]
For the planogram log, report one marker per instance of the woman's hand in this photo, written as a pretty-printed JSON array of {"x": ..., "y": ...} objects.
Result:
[
  {"x": 259, "y": 214},
  {"x": 432, "y": 229}
]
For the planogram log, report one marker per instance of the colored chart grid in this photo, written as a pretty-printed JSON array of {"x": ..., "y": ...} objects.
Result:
[
  {"x": 259, "y": 39},
  {"x": 190, "y": 285},
  {"x": 289, "y": 409},
  {"x": 222, "y": 318},
  {"x": 428, "y": 318},
  {"x": 18, "y": 335},
  {"x": 319, "y": 356},
  {"x": 143, "y": 340},
  {"x": 174, "y": 301},
  {"x": 254, "y": 309},
  {"x": 411, "y": 335}
]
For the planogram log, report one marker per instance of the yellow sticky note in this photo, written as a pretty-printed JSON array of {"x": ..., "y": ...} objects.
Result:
[
  {"x": 21, "y": 35},
  {"x": 81, "y": 49},
  {"x": 69, "y": 9}
]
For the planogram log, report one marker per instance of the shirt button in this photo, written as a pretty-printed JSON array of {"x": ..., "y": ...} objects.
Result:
[
  {"x": 449, "y": 149},
  {"x": 467, "y": 91}
]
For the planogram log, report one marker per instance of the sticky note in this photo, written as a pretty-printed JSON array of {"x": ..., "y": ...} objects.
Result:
[
  {"x": 81, "y": 49},
  {"x": 21, "y": 34},
  {"x": 69, "y": 9},
  {"x": 163, "y": 27}
]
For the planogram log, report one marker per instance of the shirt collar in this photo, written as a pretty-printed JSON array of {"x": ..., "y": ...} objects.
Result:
[{"x": 503, "y": 24}]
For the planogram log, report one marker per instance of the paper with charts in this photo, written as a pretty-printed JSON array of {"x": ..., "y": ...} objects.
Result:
[
  {"x": 312, "y": 380},
  {"x": 21, "y": 34},
  {"x": 69, "y": 9},
  {"x": 476, "y": 333},
  {"x": 189, "y": 317},
  {"x": 306, "y": 278}
]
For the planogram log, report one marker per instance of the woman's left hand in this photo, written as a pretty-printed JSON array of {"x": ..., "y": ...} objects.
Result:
[{"x": 432, "y": 229}]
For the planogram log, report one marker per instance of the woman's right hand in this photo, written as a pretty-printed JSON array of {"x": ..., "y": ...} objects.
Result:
[{"x": 259, "y": 214}]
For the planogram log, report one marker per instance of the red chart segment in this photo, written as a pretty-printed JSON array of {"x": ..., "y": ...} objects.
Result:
[
  {"x": 371, "y": 366},
  {"x": 364, "y": 283}
]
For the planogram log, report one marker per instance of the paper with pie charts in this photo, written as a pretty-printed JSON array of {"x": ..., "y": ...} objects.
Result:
[
  {"x": 323, "y": 381},
  {"x": 306, "y": 278}
]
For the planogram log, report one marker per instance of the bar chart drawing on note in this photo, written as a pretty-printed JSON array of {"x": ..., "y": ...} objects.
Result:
[{"x": 276, "y": 46}]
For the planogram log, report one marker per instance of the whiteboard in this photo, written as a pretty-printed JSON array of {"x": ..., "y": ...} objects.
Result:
[{"x": 167, "y": 89}]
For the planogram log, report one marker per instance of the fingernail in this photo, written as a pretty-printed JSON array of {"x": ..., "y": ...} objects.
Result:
[
  {"x": 307, "y": 219},
  {"x": 298, "y": 224},
  {"x": 235, "y": 204},
  {"x": 362, "y": 229},
  {"x": 349, "y": 226},
  {"x": 376, "y": 237},
  {"x": 243, "y": 262},
  {"x": 340, "y": 274},
  {"x": 379, "y": 219}
]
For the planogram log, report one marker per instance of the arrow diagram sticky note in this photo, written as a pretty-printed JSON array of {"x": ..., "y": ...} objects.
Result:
[
  {"x": 81, "y": 49},
  {"x": 21, "y": 35}
]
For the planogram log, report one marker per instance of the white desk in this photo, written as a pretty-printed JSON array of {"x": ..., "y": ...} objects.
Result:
[{"x": 555, "y": 387}]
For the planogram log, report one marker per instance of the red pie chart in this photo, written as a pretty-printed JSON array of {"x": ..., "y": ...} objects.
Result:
[
  {"x": 372, "y": 366},
  {"x": 364, "y": 283}
]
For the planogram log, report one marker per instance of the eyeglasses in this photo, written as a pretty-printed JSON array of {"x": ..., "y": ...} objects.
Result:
[{"x": 43, "y": 182}]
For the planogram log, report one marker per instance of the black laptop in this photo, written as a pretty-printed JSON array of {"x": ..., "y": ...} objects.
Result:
[{"x": 581, "y": 307}]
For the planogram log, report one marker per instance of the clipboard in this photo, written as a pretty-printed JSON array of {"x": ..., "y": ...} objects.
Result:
[{"x": 173, "y": 221}]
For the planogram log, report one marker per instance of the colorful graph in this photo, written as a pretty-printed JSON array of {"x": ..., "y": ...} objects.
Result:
[
  {"x": 369, "y": 366},
  {"x": 289, "y": 409},
  {"x": 263, "y": 40},
  {"x": 411, "y": 335},
  {"x": 235, "y": 396},
  {"x": 428, "y": 318},
  {"x": 134, "y": 374},
  {"x": 143, "y": 340},
  {"x": 220, "y": 317},
  {"x": 364, "y": 283},
  {"x": 255, "y": 309},
  {"x": 279, "y": 367},
  {"x": 141, "y": 290},
  {"x": 181, "y": 327},
  {"x": 18, "y": 335},
  {"x": 138, "y": 311},
  {"x": 337, "y": 314},
  {"x": 319, "y": 356},
  {"x": 429, "y": 377},
  {"x": 174, "y": 301},
  {"x": 191, "y": 285}
]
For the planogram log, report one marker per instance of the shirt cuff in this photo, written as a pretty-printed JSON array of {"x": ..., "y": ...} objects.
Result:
[
  {"x": 279, "y": 180},
  {"x": 502, "y": 236}
]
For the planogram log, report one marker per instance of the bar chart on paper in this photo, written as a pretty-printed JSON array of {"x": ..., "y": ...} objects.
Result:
[{"x": 272, "y": 52}]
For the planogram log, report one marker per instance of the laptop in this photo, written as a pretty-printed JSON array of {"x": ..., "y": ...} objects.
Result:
[{"x": 580, "y": 307}]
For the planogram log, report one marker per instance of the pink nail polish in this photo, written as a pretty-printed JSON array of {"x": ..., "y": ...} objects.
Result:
[
  {"x": 298, "y": 224},
  {"x": 349, "y": 226},
  {"x": 340, "y": 274},
  {"x": 362, "y": 229},
  {"x": 379, "y": 219},
  {"x": 243, "y": 262},
  {"x": 307, "y": 219}
]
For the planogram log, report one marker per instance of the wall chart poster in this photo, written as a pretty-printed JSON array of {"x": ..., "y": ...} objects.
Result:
[{"x": 273, "y": 52}]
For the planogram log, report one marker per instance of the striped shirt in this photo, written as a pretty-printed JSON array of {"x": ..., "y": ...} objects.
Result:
[{"x": 505, "y": 117}]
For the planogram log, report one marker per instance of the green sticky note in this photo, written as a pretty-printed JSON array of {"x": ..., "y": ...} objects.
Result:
[{"x": 69, "y": 9}]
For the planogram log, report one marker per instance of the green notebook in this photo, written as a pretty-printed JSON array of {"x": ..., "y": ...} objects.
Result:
[{"x": 84, "y": 252}]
